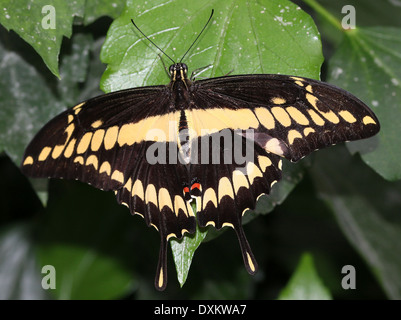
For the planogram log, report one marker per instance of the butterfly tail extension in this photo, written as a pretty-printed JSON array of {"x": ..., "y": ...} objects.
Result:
[
  {"x": 161, "y": 271},
  {"x": 249, "y": 259}
]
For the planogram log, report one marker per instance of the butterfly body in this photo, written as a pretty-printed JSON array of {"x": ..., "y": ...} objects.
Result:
[{"x": 219, "y": 141}]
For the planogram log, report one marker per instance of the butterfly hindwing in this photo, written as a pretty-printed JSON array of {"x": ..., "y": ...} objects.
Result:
[{"x": 230, "y": 188}]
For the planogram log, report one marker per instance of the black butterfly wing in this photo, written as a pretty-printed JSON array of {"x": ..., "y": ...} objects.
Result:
[
  {"x": 105, "y": 142},
  {"x": 86, "y": 141},
  {"x": 232, "y": 179},
  {"x": 285, "y": 117},
  {"x": 291, "y": 116}
]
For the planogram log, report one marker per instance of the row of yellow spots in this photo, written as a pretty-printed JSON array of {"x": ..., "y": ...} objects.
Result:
[
  {"x": 329, "y": 115},
  {"x": 239, "y": 179},
  {"x": 160, "y": 198}
]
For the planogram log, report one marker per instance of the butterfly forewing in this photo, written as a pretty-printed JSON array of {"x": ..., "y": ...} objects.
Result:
[{"x": 292, "y": 116}]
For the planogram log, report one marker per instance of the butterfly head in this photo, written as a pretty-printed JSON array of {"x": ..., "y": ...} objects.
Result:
[{"x": 178, "y": 72}]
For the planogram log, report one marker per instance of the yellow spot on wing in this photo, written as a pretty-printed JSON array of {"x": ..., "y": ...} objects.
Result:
[
  {"x": 209, "y": 196},
  {"x": 214, "y": 120},
  {"x": 347, "y": 116},
  {"x": 315, "y": 117},
  {"x": 70, "y": 148},
  {"x": 161, "y": 281},
  {"x": 253, "y": 172},
  {"x": 280, "y": 164},
  {"x": 298, "y": 81},
  {"x": 28, "y": 160},
  {"x": 105, "y": 167},
  {"x": 92, "y": 160},
  {"x": 225, "y": 188},
  {"x": 239, "y": 180},
  {"x": 97, "y": 124},
  {"x": 292, "y": 135},
  {"x": 118, "y": 176},
  {"x": 165, "y": 199},
  {"x": 57, "y": 151},
  {"x": 157, "y": 128},
  {"x": 297, "y": 115},
  {"x": 308, "y": 130},
  {"x": 278, "y": 100},
  {"x": 44, "y": 153},
  {"x": 329, "y": 115},
  {"x": 137, "y": 189},
  {"x": 151, "y": 194},
  {"x": 97, "y": 139},
  {"x": 127, "y": 134},
  {"x": 110, "y": 137},
  {"x": 367, "y": 119},
  {"x": 264, "y": 162},
  {"x": 282, "y": 116},
  {"x": 77, "y": 108},
  {"x": 250, "y": 262},
  {"x": 227, "y": 224},
  {"x": 179, "y": 204},
  {"x": 84, "y": 143},
  {"x": 169, "y": 236},
  {"x": 265, "y": 118},
  {"x": 79, "y": 160},
  {"x": 210, "y": 223}
]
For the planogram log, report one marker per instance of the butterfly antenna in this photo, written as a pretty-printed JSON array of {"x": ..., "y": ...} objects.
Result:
[
  {"x": 210, "y": 18},
  {"x": 147, "y": 38}
]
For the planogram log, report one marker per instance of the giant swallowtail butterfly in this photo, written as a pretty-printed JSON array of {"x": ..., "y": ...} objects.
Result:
[{"x": 158, "y": 147}]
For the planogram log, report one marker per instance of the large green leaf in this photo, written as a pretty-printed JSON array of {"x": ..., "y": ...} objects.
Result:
[
  {"x": 244, "y": 37},
  {"x": 368, "y": 64},
  {"x": 367, "y": 210},
  {"x": 97, "y": 8},
  {"x": 31, "y": 20},
  {"x": 28, "y": 98}
]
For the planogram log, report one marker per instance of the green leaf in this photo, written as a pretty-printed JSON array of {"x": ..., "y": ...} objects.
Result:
[
  {"x": 367, "y": 210},
  {"x": 272, "y": 28},
  {"x": 305, "y": 283},
  {"x": 184, "y": 250},
  {"x": 95, "y": 9},
  {"x": 368, "y": 13},
  {"x": 244, "y": 37},
  {"x": 368, "y": 64},
  {"x": 35, "y": 31},
  {"x": 29, "y": 98}
]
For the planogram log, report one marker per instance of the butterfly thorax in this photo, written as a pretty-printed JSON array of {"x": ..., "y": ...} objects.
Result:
[{"x": 179, "y": 86}]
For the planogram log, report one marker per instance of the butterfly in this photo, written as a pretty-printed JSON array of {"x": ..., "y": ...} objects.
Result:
[{"x": 219, "y": 142}]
